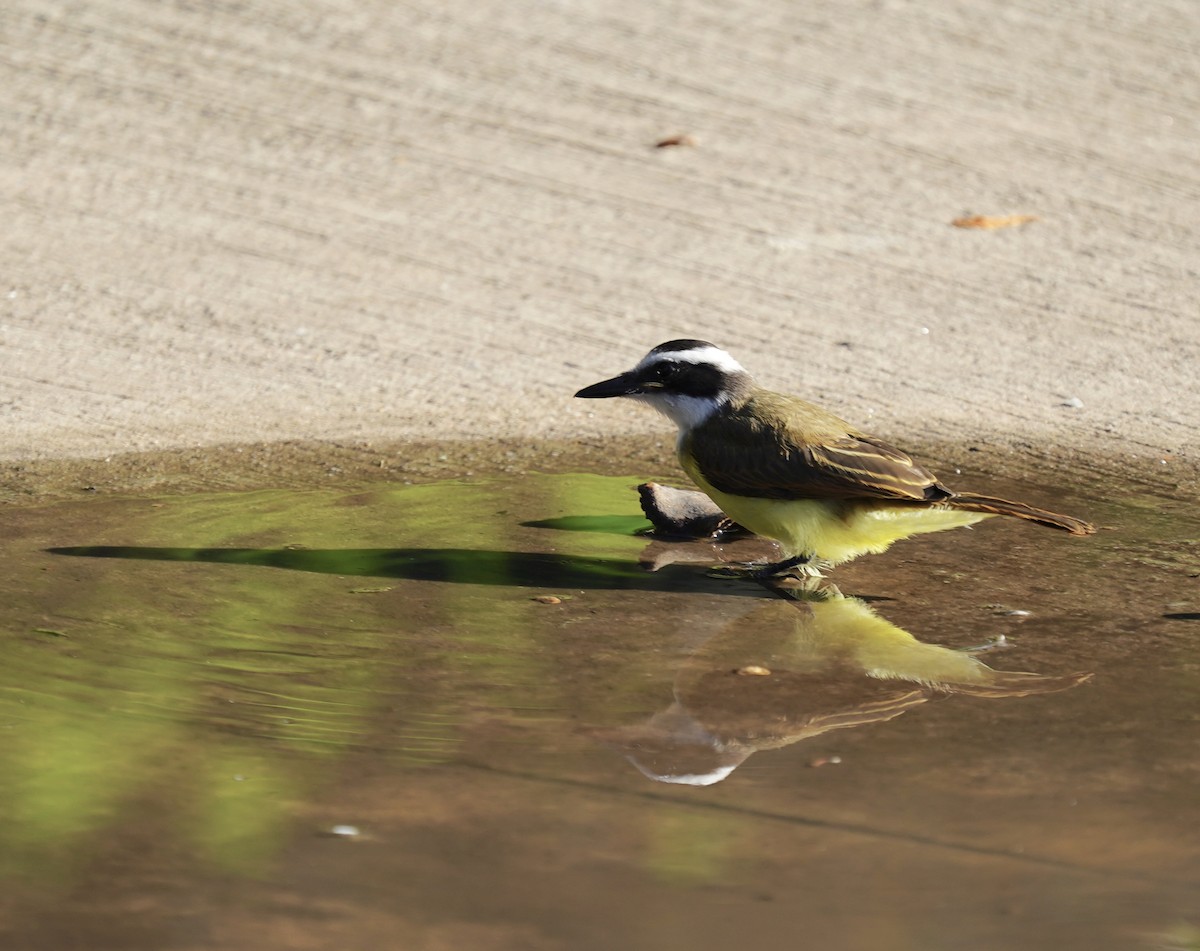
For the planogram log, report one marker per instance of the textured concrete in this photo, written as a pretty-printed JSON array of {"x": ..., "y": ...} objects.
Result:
[{"x": 317, "y": 220}]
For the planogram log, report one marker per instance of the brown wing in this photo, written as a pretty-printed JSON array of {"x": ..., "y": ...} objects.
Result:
[
  {"x": 808, "y": 456},
  {"x": 866, "y": 465}
]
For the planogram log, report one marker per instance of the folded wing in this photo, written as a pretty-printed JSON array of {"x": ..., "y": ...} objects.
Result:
[{"x": 748, "y": 456}]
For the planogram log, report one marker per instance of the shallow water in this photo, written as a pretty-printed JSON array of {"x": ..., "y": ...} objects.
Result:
[{"x": 197, "y": 691}]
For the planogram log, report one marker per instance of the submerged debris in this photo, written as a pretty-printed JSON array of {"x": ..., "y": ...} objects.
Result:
[
  {"x": 999, "y": 642},
  {"x": 684, "y": 513}
]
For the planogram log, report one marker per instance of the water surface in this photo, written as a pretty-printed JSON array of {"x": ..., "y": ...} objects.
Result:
[{"x": 528, "y": 740}]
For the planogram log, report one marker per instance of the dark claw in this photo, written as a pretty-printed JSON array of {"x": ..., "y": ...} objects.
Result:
[{"x": 780, "y": 567}]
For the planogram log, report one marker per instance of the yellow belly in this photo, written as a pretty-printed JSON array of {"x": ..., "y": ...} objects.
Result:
[{"x": 833, "y": 531}]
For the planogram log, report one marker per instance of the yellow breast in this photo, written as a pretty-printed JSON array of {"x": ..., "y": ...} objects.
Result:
[{"x": 829, "y": 529}]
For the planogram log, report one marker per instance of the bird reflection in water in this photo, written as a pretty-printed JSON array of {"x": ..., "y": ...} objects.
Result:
[{"x": 792, "y": 669}]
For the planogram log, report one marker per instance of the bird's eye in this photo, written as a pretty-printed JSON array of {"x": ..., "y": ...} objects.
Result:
[{"x": 664, "y": 371}]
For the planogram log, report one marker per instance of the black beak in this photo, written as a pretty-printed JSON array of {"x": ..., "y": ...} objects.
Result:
[{"x": 627, "y": 384}]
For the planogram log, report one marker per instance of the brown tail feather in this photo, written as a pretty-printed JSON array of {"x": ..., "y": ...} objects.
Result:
[{"x": 983, "y": 503}]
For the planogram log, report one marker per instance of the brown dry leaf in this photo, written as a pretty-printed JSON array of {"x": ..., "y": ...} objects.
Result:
[
  {"x": 990, "y": 222},
  {"x": 675, "y": 140},
  {"x": 546, "y": 599}
]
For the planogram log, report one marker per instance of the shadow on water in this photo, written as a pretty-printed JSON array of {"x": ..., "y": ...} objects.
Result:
[
  {"x": 178, "y": 726},
  {"x": 462, "y": 566}
]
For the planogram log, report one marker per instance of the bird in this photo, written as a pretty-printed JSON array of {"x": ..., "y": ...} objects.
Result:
[{"x": 789, "y": 470}]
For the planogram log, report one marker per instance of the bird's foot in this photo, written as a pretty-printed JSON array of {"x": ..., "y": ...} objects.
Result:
[
  {"x": 800, "y": 567},
  {"x": 791, "y": 588}
]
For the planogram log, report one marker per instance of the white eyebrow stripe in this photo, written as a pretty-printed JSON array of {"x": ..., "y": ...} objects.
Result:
[{"x": 714, "y": 356}]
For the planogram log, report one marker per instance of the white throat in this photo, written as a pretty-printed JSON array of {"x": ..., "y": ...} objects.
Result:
[{"x": 686, "y": 412}]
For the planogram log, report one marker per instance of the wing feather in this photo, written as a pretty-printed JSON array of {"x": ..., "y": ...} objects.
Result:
[{"x": 797, "y": 451}]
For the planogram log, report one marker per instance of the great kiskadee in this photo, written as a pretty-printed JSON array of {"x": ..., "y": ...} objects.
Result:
[{"x": 786, "y": 469}]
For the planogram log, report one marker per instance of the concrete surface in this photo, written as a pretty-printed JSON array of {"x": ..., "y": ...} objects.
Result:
[{"x": 241, "y": 223}]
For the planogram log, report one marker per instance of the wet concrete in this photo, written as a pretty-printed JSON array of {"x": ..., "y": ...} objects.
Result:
[{"x": 538, "y": 743}]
